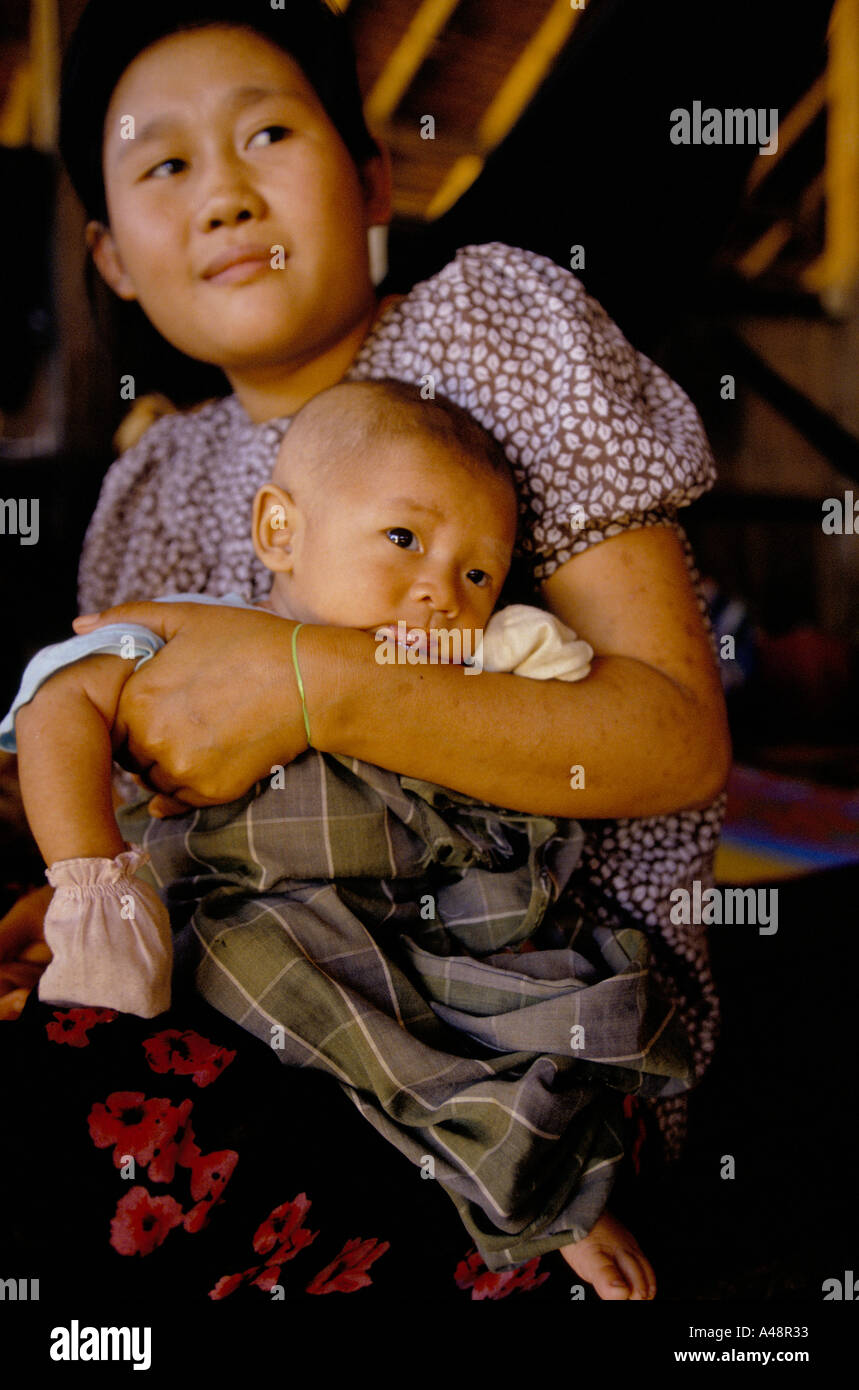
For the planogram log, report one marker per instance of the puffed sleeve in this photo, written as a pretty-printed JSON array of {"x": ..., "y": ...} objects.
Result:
[
  {"x": 174, "y": 513},
  {"x": 600, "y": 437},
  {"x": 127, "y": 503}
]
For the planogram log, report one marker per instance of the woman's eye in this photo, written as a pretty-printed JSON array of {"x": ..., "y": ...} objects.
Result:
[
  {"x": 403, "y": 537},
  {"x": 478, "y": 577},
  {"x": 163, "y": 170},
  {"x": 276, "y": 132}
]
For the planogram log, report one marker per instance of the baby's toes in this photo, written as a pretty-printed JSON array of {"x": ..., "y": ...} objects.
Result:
[
  {"x": 638, "y": 1272},
  {"x": 608, "y": 1278}
]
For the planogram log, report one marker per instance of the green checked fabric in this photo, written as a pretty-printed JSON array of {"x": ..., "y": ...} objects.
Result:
[{"x": 373, "y": 926}]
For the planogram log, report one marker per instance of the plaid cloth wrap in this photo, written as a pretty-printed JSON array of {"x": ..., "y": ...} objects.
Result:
[{"x": 371, "y": 925}]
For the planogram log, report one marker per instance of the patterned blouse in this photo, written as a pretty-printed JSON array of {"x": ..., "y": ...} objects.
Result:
[{"x": 601, "y": 441}]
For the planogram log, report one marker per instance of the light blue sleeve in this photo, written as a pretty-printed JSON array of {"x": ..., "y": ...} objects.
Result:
[{"x": 129, "y": 640}]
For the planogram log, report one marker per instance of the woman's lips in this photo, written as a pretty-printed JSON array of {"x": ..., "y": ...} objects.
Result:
[{"x": 240, "y": 272}]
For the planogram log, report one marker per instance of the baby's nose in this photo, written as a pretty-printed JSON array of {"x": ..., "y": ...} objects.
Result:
[
  {"x": 439, "y": 592},
  {"x": 435, "y": 584}
]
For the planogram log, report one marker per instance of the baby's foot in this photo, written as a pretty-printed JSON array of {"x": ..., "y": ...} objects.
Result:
[{"x": 611, "y": 1259}]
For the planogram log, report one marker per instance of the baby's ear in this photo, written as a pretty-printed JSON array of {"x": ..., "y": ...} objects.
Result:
[{"x": 274, "y": 527}]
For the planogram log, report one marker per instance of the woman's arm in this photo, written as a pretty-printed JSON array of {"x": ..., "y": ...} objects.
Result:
[
  {"x": 648, "y": 726},
  {"x": 218, "y": 706}
]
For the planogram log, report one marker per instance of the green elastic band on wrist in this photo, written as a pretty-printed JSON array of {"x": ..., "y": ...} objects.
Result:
[{"x": 295, "y": 632}]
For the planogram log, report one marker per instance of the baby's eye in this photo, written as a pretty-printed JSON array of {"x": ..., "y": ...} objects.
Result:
[
  {"x": 163, "y": 170},
  {"x": 403, "y": 537},
  {"x": 277, "y": 133},
  {"x": 478, "y": 577}
]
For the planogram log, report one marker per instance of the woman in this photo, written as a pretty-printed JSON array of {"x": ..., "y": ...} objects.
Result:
[{"x": 230, "y": 182}]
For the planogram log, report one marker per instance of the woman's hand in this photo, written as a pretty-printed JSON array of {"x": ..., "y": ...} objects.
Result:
[
  {"x": 645, "y": 734},
  {"x": 213, "y": 711},
  {"x": 23, "y": 951}
]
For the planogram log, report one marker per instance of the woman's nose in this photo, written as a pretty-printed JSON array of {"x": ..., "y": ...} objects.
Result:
[{"x": 231, "y": 199}]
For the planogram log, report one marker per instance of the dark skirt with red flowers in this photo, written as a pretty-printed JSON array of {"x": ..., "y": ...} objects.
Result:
[{"x": 178, "y": 1159}]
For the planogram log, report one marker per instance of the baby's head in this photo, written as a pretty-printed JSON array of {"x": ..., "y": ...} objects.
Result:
[{"x": 385, "y": 507}]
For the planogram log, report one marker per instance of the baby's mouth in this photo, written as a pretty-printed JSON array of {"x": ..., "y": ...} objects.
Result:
[{"x": 400, "y": 627}]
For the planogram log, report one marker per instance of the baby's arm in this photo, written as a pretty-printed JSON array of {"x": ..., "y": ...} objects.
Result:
[
  {"x": 65, "y": 749},
  {"x": 108, "y": 930}
]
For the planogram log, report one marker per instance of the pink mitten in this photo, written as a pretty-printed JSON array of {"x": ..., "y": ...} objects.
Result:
[{"x": 110, "y": 937}]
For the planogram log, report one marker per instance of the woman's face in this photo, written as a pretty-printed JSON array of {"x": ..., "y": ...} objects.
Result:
[{"x": 233, "y": 155}]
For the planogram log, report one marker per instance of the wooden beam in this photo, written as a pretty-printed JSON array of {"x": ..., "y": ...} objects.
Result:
[
  {"x": 511, "y": 99},
  {"x": 835, "y": 276},
  {"x": 45, "y": 61},
  {"x": 407, "y": 57},
  {"x": 794, "y": 124},
  {"x": 761, "y": 254},
  {"x": 16, "y": 110}
]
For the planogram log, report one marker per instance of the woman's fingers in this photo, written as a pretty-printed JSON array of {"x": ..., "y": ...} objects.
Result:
[
  {"x": 163, "y": 806},
  {"x": 12, "y": 1004},
  {"x": 165, "y": 619},
  {"x": 216, "y": 708},
  {"x": 39, "y": 953},
  {"x": 19, "y": 974},
  {"x": 152, "y": 779},
  {"x": 24, "y": 923},
  {"x": 23, "y": 950}
]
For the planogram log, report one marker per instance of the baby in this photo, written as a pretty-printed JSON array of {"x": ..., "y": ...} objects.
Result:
[
  {"x": 411, "y": 916},
  {"x": 356, "y": 459}
]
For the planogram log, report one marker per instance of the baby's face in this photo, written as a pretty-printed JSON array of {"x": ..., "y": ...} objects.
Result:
[{"x": 409, "y": 535}]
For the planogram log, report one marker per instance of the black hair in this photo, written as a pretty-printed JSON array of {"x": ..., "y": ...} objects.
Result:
[{"x": 109, "y": 36}]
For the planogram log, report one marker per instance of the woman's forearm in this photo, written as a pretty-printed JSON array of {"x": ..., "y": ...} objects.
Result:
[
  {"x": 218, "y": 706},
  {"x": 644, "y": 744}
]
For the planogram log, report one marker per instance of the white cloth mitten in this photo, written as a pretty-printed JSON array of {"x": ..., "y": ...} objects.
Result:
[
  {"x": 110, "y": 937},
  {"x": 530, "y": 642}
]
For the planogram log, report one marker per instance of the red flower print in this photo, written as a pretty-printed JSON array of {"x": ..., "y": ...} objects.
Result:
[
  {"x": 631, "y": 1110},
  {"x": 283, "y": 1229},
  {"x": 189, "y": 1149},
  {"x": 187, "y": 1054},
  {"x": 281, "y": 1236},
  {"x": 134, "y": 1124},
  {"x": 467, "y": 1270},
  {"x": 231, "y": 1282},
  {"x": 210, "y": 1174},
  {"x": 142, "y": 1222},
  {"x": 348, "y": 1271},
  {"x": 175, "y": 1143},
  {"x": 497, "y": 1283},
  {"x": 72, "y": 1025}
]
